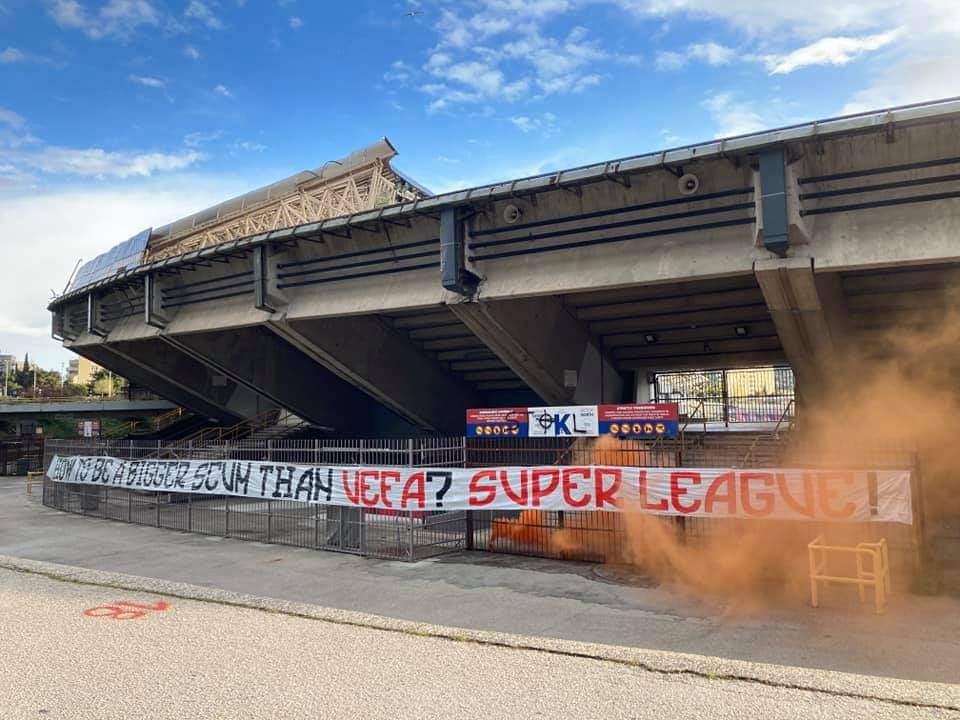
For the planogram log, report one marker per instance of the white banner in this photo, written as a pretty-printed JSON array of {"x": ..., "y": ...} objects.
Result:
[
  {"x": 784, "y": 494},
  {"x": 577, "y": 420}
]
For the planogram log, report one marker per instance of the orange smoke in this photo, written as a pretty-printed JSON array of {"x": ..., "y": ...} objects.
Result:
[
  {"x": 531, "y": 529},
  {"x": 884, "y": 399}
]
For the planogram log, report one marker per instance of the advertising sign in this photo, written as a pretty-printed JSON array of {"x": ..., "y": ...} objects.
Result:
[
  {"x": 650, "y": 420},
  {"x": 497, "y": 422},
  {"x": 88, "y": 428},
  {"x": 563, "y": 421}
]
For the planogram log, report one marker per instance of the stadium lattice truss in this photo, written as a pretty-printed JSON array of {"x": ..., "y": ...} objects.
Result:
[{"x": 361, "y": 186}]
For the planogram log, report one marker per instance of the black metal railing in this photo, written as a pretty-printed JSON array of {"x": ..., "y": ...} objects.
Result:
[
  {"x": 411, "y": 536},
  {"x": 22, "y": 455},
  {"x": 750, "y": 395}
]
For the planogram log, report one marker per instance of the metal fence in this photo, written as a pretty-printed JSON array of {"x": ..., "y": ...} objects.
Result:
[
  {"x": 401, "y": 452},
  {"x": 20, "y": 456},
  {"x": 410, "y": 536},
  {"x": 395, "y": 535},
  {"x": 751, "y": 395}
]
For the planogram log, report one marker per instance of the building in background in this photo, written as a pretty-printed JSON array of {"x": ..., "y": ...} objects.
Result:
[
  {"x": 9, "y": 364},
  {"x": 80, "y": 371}
]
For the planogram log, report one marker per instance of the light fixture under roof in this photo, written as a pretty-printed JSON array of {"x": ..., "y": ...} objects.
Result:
[
  {"x": 742, "y": 330},
  {"x": 650, "y": 338}
]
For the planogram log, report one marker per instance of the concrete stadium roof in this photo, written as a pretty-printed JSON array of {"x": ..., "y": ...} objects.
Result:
[{"x": 918, "y": 113}]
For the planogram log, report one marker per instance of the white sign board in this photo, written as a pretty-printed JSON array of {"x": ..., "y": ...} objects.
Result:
[{"x": 563, "y": 421}]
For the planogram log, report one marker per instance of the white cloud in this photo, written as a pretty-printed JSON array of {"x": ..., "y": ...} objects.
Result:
[
  {"x": 222, "y": 90},
  {"x": 921, "y": 74},
  {"x": 115, "y": 18},
  {"x": 544, "y": 125},
  {"x": 499, "y": 51},
  {"x": 295, "y": 22},
  {"x": 709, "y": 52},
  {"x": 24, "y": 155},
  {"x": 12, "y": 55},
  {"x": 191, "y": 52},
  {"x": 100, "y": 163},
  {"x": 712, "y": 53},
  {"x": 202, "y": 13},
  {"x": 147, "y": 81},
  {"x": 525, "y": 63},
  {"x": 249, "y": 146},
  {"x": 399, "y": 72},
  {"x": 196, "y": 139},
  {"x": 57, "y": 245},
  {"x": 918, "y": 62},
  {"x": 13, "y": 135},
  {"x": 671, "y": 60},
  {"x": 13, "y": 177},
  {"x": 15, "y": 55},
  {"x": 732, "y": 116},
  {"x": 670, "y": 138},
  {"x": 828, "y": 51},
  {"x": 10, "y": 118},
  {"x": 814, "y": 18},
  {"x": 477, "y": 75}
]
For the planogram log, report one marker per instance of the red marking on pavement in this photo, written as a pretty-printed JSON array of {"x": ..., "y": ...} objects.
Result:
[{"x": 116, "y": 610}]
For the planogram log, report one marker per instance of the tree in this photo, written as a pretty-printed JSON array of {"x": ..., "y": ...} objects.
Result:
[
  {"x": 100, "y": 383},
  {"x": 73, "y": 390}
]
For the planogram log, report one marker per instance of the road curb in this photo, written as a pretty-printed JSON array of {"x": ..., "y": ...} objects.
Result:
[{"x": 904, "y": 692}]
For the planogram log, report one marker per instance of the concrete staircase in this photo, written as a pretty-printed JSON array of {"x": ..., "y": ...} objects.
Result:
[
  {"x": 287, "y": 425},
  {"x": 734, "y": 449},
  {"x": 247, "y": 438}
]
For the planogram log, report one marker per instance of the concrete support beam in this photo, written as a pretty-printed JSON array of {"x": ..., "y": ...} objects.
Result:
[
  {"x": 384, "y": 364},
  {"x": 833, "y": 301},
  {"x": 93, "y": 316},
  {"x": 145, "y": 376},
  {"x": 184, "y": 371},
  {"x": 710, "y": 361},
  {"x": 546, "y": 347},
  {"x": 278, "y": 371},
  {"x": 810, "y": 331}
]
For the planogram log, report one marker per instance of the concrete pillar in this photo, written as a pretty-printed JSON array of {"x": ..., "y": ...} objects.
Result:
[
  {"x": 146, "y": 376},
  {"x": 810, "y": 324},
  {"x": 276, "y": 370},
  {"x": 643, "y": 392},
  {"x": 384, "y": 364},
  {"x": 180, "y": 369},
  {"x": 546, "y": 347}
]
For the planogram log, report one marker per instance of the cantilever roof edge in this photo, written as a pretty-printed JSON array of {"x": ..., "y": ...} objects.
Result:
[{"x": 846, "y": 124}]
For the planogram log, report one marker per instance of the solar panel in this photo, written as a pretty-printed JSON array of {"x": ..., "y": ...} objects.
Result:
[{"x": 124, "y": 256}]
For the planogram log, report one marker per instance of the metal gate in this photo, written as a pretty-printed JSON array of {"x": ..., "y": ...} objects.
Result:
[{"x": 751, "y": 395}]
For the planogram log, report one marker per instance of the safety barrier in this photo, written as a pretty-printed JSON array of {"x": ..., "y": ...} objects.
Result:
[
  {"x": 877, "y": 576},
  {"x": 589, "y": 536},
  {"x": 406, "y": 536},
  {"x": 25, "y": 454},
  {"x": 32, "y": 477}
]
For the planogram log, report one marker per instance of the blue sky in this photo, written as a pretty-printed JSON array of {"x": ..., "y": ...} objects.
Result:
[{"x": 116, "y": 115}]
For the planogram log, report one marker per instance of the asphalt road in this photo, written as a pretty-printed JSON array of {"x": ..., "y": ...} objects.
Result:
[
  {"x": 916, "y": 639},
  {"x": 209, "y": 660}
]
